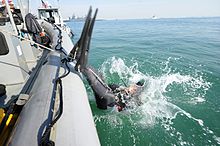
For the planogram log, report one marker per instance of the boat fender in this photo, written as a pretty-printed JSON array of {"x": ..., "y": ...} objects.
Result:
[
  {"x": 2, "y": 90},
  {"x": 52, "y": 33}
]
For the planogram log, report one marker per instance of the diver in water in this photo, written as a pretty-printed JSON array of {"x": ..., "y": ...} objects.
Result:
[
  {"x": 105, "y": 95},
  {"x": 124, "y": 95},
  {"x": 112, "y": 94}
]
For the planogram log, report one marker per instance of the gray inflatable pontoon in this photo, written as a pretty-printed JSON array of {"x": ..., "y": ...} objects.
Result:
[{"x": 45, "y": 100}]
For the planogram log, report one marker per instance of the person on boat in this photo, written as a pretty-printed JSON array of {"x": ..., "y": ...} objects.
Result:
[
  {"x": 34, "y": 28},
  {"x": 11, "y": 5},
  {"x": 3, "y": 11}
]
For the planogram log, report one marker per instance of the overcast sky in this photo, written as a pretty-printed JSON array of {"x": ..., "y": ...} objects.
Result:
[{"x": 129, "y": 9}]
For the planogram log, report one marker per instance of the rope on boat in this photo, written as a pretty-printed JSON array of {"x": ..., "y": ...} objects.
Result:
[
  {"x": 39, "y": 45},
  {"x": 59, "y": 41},
  {"x": 45, "y": 137},
  {"x": 27, "y": 40}
]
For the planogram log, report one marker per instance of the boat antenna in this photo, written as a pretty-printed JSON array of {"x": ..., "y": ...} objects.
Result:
[{"x": 58, "y": 2}]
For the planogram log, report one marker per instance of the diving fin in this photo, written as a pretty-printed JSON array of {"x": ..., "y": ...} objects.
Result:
[
  {"x": 75, "y": 53},
  {"x": 82, "y": 62}
]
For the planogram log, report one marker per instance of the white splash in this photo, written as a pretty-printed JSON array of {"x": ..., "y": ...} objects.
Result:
[
  {"x": 157, "y": 106},
  {"x": 217, "y": 139},
  {"x": 113, "y": 65}
]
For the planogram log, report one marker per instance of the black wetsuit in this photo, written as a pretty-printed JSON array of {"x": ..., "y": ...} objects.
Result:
[{"x": 103, "y": 94}]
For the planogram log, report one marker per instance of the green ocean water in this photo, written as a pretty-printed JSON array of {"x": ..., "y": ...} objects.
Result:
[{"x": 179, "y": 59}]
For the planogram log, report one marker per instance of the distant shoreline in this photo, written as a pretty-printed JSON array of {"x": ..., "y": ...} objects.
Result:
[
  {"x": 164, "y": 18},
  {"x": 145, "y": 19}
]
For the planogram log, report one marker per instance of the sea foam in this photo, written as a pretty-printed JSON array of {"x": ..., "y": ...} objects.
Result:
[{"x": 158, "y": 106}]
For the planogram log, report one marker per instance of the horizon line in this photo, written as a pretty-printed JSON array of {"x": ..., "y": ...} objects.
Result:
[{"x": 158, "y": 18}]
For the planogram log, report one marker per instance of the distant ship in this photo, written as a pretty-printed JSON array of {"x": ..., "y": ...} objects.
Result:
[
  {"x": 154, "y": 17},
  {"x": 75, "y": 18}
]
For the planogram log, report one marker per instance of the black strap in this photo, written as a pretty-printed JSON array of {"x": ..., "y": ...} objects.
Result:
[{"x": 2, "y": 90}]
